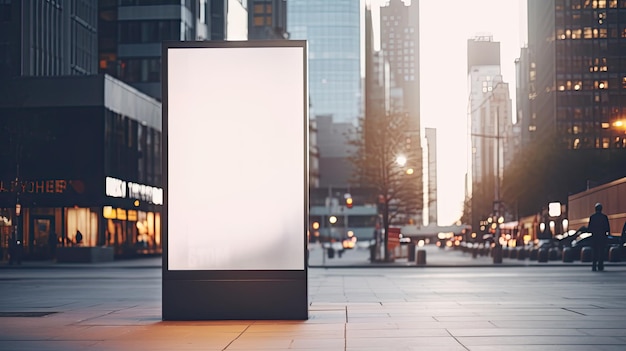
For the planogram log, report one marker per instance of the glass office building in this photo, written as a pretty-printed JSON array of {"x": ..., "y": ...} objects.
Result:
[{"x": 332, "y": 29}]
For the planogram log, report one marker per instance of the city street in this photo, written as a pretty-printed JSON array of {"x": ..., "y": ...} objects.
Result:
[{"x": 117, "y": 306}]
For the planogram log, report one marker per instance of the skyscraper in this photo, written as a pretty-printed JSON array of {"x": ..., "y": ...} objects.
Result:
[
  {"x": 577, "y": 89},
  {"x": 399, "y": 41},
  {"x": 490, "y": 123},
  {"x": 332, "y": 30},
  {"x": 43, "y": 38},
  {"x": 131, "y": 31}
]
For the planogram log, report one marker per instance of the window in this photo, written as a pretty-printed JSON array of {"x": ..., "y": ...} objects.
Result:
[
  {"x": 148, "y": 2},
  {"x": 141, "y": 70},
  {"x": 149, "y": 31}
]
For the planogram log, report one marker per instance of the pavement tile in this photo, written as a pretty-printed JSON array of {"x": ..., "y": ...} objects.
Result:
[
  {"x": 397, "y": 333},
  {"x": 546, "y": 348},
  {"x": 395, "y": 307},
  {"x": 38, "y": 345},
  {"x": 404, "y": 343},
  {"x": 506, "y": 332},
  {"x": 538, "y": 340}
]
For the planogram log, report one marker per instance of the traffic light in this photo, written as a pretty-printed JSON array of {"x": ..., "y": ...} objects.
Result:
[{"x": 349, "y": 202}]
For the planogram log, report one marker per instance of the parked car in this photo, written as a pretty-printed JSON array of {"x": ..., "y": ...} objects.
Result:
[
  {"x": 565, "y": 240},
  {"x": 584, "y": 239}
]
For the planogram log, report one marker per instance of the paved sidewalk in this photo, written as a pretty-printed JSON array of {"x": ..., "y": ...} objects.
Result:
[
  {"x": 435, "y": 257},
  {"x": 117, "y": 306},
  {"x": 354, "y": 258}
]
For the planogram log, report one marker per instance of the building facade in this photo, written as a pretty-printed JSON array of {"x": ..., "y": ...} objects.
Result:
[
  {"x": 524, "y": 73},
  {"x": 130, "y": 33},
  {"x": 48, "y": 38},
  {"x": 267, "y": 19},
  {"x": 577, "y": 90},
  {"x": 332, "y": 31},
  {"x": 82, "y": 154},
  {"x": 334, "y": 165},
  {"x": 490, "y": 127}
]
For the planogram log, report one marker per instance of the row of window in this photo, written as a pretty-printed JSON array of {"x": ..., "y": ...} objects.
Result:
[
  {"x": 583, "y": 112},
  {"x": 398, "y": 55},
  {"x": 591, "y": 16},
  {"x": 149, "y": 31},
  {"x": 262, "y": 20},
  {"x": 602, "y": 84},
  {"x": 578, "y": 85},
  {"x": 132, "y": 149},
  {"x": 140, "y": 70},
  {"x": 591, "y": 33},
  {"x": 596, "y": 143},
  {"x": 583, "y": 53},
  {"x": 617, "y": 127},
  {"x": 588, "y": 4},
  {"x": 152, "y": 2},
  {"x": 260, "y": 8}
]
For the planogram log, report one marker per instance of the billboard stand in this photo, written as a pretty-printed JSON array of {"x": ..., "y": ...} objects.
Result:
[{"x": 235, "y": 180}]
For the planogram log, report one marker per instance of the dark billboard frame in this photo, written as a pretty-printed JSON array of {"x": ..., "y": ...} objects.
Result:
[{"x": 234, "y": 294}]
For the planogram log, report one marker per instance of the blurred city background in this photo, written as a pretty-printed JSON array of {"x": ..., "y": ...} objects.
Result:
[{"x": 81, "y": 178}]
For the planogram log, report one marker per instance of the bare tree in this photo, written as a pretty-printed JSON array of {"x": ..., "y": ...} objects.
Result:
[{"x": 386, "y": 160}]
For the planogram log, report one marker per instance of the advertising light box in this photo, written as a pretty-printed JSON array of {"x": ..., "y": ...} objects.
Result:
[{"x": 236, "y": 157}]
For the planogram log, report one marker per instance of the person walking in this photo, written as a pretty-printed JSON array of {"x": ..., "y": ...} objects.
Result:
[{"x": 599, "y": 228}]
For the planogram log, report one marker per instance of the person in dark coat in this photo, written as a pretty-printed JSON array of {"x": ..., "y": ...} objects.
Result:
[{"x": 599, "y": 228}]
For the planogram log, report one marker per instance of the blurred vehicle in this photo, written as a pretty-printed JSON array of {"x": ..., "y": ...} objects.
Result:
[
  {"x": 539, "y": 244},
  {"x": 584, "y": 239},
  {"x": 565, "y": 240}
]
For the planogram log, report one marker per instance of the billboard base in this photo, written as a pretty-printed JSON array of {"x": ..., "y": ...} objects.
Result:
[{"x": 281, "y": 299}]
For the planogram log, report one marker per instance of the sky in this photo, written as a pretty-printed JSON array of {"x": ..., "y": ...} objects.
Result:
[{"x": 445, "y": 27}]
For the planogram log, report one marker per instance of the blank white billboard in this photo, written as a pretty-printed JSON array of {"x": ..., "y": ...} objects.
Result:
[{"x": 236, "y": 158}]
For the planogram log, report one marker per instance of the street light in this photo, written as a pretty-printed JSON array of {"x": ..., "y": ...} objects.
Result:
[
  {"x": 401, "y": 160},
  {"x": 332, "y": 220}
]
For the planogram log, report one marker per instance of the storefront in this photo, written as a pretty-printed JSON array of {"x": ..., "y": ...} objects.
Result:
[
  {"x": 82, "y": 166},
  {"x": 41, "y": 230}
]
